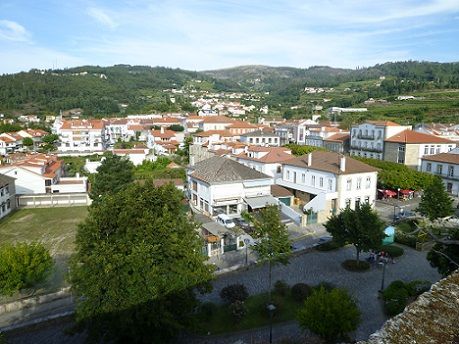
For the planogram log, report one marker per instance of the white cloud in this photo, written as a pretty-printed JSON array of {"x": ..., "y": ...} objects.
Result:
[
  {"x": 102, "y": 17},
  {"x": 12, "y": 31}
]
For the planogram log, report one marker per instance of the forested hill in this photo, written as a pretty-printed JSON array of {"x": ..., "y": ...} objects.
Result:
[{"x": 104, "y": 91}]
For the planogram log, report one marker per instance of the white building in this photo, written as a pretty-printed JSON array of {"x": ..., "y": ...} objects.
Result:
[
  {"x": 81, "y": 136},
  {"x": 261, "y": 138},
  {"x": 323, "y": 183},
  {"x": 446, "y": 166},
  {"x": 267, "y": 160},
  {"x": 367, "y": 139},
  {"x": 136, "y": 155},
  {"x": 220, "y": 185},
  {"x": 7, "y": 195},
  {"x": 215, "y": 123}
]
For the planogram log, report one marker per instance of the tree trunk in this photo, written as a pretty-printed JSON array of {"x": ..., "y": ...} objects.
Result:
[{"x": 270, "y": 278}]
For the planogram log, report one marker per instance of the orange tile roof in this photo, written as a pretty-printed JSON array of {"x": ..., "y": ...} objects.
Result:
[
  {"x": 213, "y": 132},
  {"x": 136, "y": 127},
  {"x": 82, "y": 124},
  {"x": 414, "y": 137},
  {"x": 6, "y": 139},
  {"x": 166, "y": 134},
  {"x": 449, "y": 158},
  {"x": 338, "y": 137},
  {"x": 384, "y": 123},
  {"x": 166, "y": 120},
  {"x": 242, "y": 124},
  {"x": 217, "y": 119}
]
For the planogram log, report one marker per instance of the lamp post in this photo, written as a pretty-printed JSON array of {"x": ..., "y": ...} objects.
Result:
[
  {"x": 271, "y": 308},
  {"x": 384, "y": 263},
  {"x": 398, "y": 194},
  {"x": 246, "y": 242}
]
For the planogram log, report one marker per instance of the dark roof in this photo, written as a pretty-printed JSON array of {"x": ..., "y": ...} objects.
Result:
[
  {"x": 260, "y": 133},
  {"x": 219, "y": 170},
  {"x": 443, "y": 157},
  {"x": 330, "y": 162},
  {"x": 280, "y": 191}
]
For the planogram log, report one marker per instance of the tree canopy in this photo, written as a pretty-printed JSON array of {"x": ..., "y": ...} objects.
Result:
[
  {"x": 361, "y": 227},
  {"x": 444, "y": 255},
  {"x": 137, "y": 263},
  {"x": 435, "y": 202}
]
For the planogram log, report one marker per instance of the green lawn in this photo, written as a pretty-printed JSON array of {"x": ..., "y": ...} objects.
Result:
[
  {"x": 221, "y": 320},
  {"x": 55, "y": 228}
]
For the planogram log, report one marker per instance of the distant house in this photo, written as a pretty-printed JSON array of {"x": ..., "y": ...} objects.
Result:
[
  {"x": 267, "y": 160},
  {"x": 215, "y": 123},
  {"x": 261, "y": 138},
  {"x": 7, "y": 195},
  {"x": 81, "y": 135},
  {"x": 221, "y": 185},
  {"x": 338, "y": 143},
  {"x": 136, "y": 156}
]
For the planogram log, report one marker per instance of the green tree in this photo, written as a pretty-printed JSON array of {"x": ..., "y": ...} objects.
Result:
[
  {"x": 435, "y": 201},
  {"x": 330, "y": 314},
  {"x": 444, "y": 255},
  {"x": 176, "y": 127},
  {"x": 113, "y": 174},
  {"x": 299, "y": 150},
  {"x": 27, "y": 142},
  {"x": 22, "y": 266},
  {"x": 273, "y": 245},
  {"x": 138, "y": 262},
  {"x": 360, "y": 227},
  {"x": 50, "y": 138}
]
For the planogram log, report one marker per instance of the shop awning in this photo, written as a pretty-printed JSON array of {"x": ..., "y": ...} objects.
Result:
[
  {"x": 406, "y": 192},
  {"x": 261, "y": 201}
]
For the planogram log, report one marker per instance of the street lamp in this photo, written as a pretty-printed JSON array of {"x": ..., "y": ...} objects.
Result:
[
  {"x": 384, "y": 263},
  {"x": 246, "y": 242},
  {"x": 271, "y": 308},
  {"x": 398, "y": 194}
]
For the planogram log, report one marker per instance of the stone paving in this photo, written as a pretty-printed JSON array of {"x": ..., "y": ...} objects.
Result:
[{"x": 314, "y": 267}]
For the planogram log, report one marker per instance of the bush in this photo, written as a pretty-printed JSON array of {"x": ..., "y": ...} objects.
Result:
[
  {"x": 207, "y": 310},
  {"x": 395, "y": 298},
  {"x": 328, "y": 246},
  {"x": 238, "y": 310},
  {"x": 405, "y": 239},
  {"x": 325, "y": 285},
  {"x": 22, "y": 266},
  {"x": 417, "y": 287},
  {"x": 300, "y": 292},
  {"x": 330, "y": 314},
  {"x": 353, "y": 265},
  {"x": 281, "y": 288},
  {"x": 393, "y": 251},
  {"x": 234, "y": 292}
]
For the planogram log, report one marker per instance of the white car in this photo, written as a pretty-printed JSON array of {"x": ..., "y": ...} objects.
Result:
[{"x": 226, "y": 221}]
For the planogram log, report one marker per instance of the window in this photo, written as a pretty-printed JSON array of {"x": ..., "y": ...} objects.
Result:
[
  {"x": 437, "y": 150},
  {"x": 48, "y": 182},
  {"x": 368, "y": 182},
  {"x": 330, "y": 184},
  {"x": 303, "y": 178},
  {"x": 357, "y": 202},
  {"x": 401, "y": 154},
  {"x": 426, "y": 150},
  {"x": 439, "y": 168},
  {"x": 195, "y": 186},
  {"x": 450, "y": 171},
  {"x": 8, "y": 204},
  {"x": 288, "y": 175},
  {"x": 313, "y": 180},
  {"x": 279, "y": 169},
  {"x": 321, "y": 182},
  {"x": 1, "y": 192},
  {"x": 348, "y": 202},
  {"x": 432, "y": 149},
  {"x": 428, "y": 167},
  {"x": 349, "y": 184},
  {"x": 359, "y": 183}
]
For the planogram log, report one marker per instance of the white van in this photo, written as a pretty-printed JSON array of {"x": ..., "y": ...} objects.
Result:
[{"x": 225, "y": 220}]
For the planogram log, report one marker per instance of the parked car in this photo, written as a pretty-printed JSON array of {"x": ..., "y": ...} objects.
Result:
[
  {"x": 226, "y": 221},
  {"x": 323, "y": 240},
  {"x": 242, "y": 223}
]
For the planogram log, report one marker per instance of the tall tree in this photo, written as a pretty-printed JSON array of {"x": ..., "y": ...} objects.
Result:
[
  {"x": 27, "y": 142},
  {"x": 273, "y": 244},
  {"x": 444, "y": 255},
  {"x": 113, "y": 174},
  {"x": 435, "y": 201},
  {"x": 360, "y": 227},
  {"x": 137, "y": 265}
]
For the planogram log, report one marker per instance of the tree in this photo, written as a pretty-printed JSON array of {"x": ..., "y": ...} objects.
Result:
[
  {"x": 176, "y": 127},
  {"x": 435, "y": 201},
  {"x": 330, "y": 314},
  {"x": 138, "y": 262},
  {"x": 444, "y": 255},
  {"x": 22, "y": 266},
  {"x": 360, "y": 227},
  {"x": 27, "y": 142},
  {"x": 113, "y": 174},
  {"x": 273, "y": 244},
  {"x": 50, "y": 138}
]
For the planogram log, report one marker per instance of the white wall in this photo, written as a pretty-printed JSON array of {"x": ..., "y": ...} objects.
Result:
[
  {"x": 365, "y": 190},
  {"x": 446, "y": 178},
  {"x": 26, "y": 182}
]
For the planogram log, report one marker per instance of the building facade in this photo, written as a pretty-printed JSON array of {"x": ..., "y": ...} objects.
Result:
[
  {"x": 81, "y": 136},
  {"x": 7, "y": 195},
  {"x": 445, "y": 166}
]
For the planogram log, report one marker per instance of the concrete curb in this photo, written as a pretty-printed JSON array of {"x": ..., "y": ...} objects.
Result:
[{"x": 36, "y": 321}]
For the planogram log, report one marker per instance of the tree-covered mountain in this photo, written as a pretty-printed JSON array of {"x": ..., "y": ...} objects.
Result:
[{"x": 102, "y": 91}]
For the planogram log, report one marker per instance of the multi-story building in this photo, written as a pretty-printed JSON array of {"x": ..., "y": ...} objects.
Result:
[
  {"x": 409, "y": 147},
  {"x": 338, "y": 143},
  {"x": 7, "y": 195},
  {"x": 267, "y": 160},
  {"x": 261, "y": 138},
  {"x": 367, "y": 139},
  {"x": 81, "y": 136},
  {"x": 323, "y": 183},
  {"x": 446, "y": 166},
  {"x": 221, "y": 185},
  {"x": 215, "y": 123}
]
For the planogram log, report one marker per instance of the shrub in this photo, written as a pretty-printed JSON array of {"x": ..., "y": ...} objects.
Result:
[
  {"x": 417, "y": 287},
  {"x": 330, "y": 314},
  {"x": 393, "y": 251},
  {"x": 22, "y": 266},
  {"x": 353, "y": 265},
  {"x": 234, "y": 292},
  {"x": 395, "y": 298},
  {"x": 238, "y": 310},
  {"x": 325, "y": 285},
  {"x": 207, "y": 310},
  {"x": 405, "y": 239},
  {"x": 300, "y": 292},
  {"x": 281, "y": 288}
]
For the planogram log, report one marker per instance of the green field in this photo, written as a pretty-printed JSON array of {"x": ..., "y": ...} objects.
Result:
[{"x": 55, "y": 228}]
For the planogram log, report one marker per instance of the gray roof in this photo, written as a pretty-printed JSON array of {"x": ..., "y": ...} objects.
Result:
[
  {"x": 220, "y": 170},
  {"x": 260, "y": 133}
]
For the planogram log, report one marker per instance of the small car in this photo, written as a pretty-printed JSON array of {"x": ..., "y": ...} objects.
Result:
[{"x": 225, "y": 220}]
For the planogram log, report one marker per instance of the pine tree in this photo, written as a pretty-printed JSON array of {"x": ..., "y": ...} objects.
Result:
[{"x": 435, "y": 202}]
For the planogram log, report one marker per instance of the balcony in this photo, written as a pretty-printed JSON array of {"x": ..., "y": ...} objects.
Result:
[
  {"x": 367, "y": 149},
  {"x": 365, "y": 137}
]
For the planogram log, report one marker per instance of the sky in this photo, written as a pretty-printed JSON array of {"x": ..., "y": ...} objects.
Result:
[{"x": 212, "y": 34}]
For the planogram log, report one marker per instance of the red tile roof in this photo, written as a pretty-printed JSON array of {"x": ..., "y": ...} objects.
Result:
[
  {"x": 443, "y": 157},
  {"x": 217, "y": 119},
  {"x": 338, "y": 137},
  {"x": 384, "y": 123},
  {"x": 413, "y": 137},
  {"x": 83, "y": 124}
]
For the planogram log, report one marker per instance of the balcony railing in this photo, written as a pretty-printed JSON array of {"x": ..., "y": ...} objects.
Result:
[
  {"x": 365, "y": 137},
  {"x": 367, "y": 149}
]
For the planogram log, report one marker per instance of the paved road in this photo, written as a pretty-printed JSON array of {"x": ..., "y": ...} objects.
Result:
[{"x": 314, "y": 267}]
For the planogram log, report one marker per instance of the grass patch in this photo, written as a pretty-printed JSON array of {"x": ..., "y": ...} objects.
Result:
[
  {"x": 352, "y": 265},
  {"x": 55, "y": 228},
  {"x": 221, "y": 321}
]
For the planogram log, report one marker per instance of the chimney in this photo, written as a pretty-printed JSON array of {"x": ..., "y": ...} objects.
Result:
[
  {"x": 162, "y": 130},
  {"x": 309, "y": 159},
  {"x": 342, "y": 164}
]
